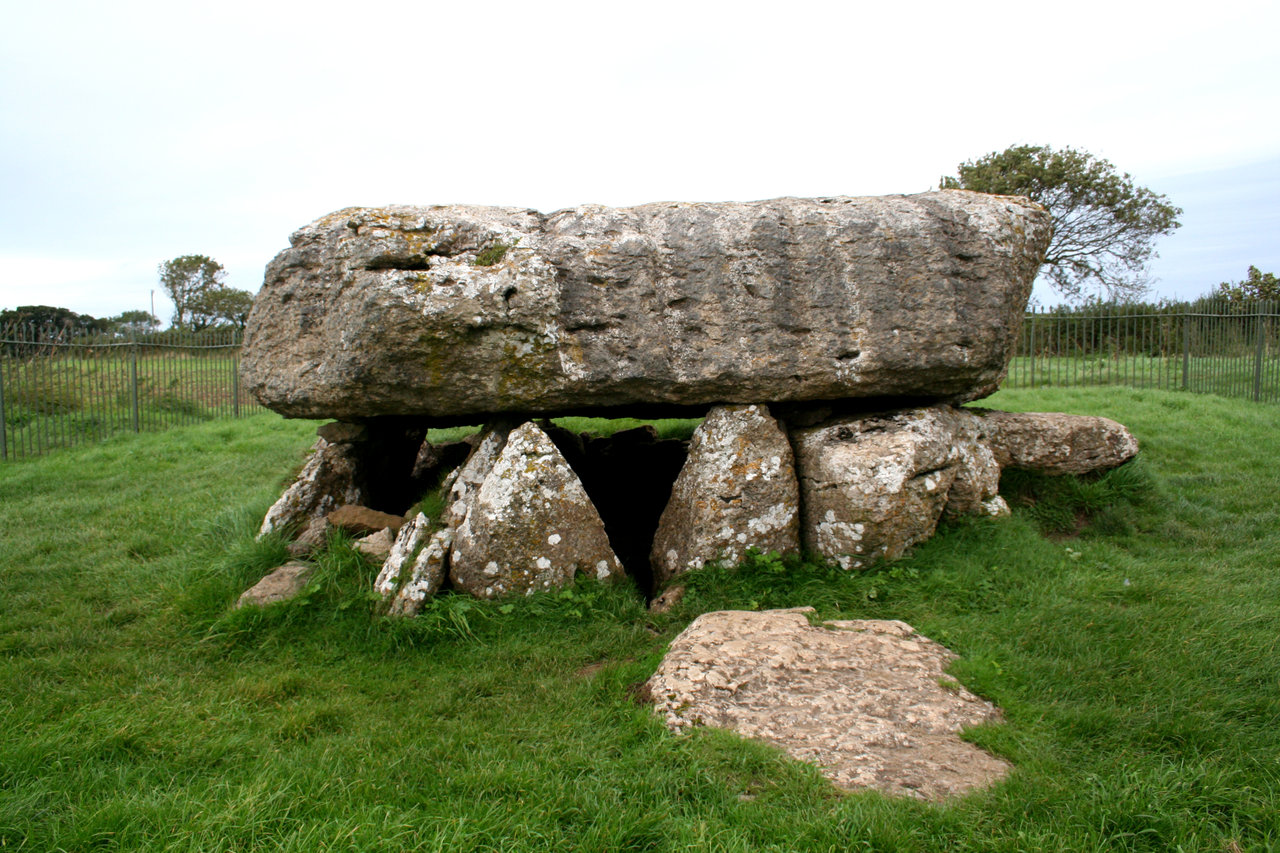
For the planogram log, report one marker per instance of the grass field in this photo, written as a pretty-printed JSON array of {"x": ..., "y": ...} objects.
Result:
[{"x": 1136, "y": 661}]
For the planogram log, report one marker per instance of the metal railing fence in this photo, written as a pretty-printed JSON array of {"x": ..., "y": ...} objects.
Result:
[
  {"x": 1219, "y": 347},
  {"x": 60, "y": 388}
]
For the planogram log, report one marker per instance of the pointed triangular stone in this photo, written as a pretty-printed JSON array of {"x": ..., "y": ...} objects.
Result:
[{"x": 530, "y": 526}]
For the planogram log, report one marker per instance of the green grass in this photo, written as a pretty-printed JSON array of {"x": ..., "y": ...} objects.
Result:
[{"x": 1135, "y": 660}]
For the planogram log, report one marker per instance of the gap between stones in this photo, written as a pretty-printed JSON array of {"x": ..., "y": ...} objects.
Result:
[{"x": 628, "y": 475}]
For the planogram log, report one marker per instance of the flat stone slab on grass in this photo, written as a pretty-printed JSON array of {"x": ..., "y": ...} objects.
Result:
[
  {"x": 282, "y": 584},
  {"x": 868, "y": 701}
]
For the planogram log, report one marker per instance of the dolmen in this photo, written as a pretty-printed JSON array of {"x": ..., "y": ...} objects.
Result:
[{"x": 828, "y": 345}]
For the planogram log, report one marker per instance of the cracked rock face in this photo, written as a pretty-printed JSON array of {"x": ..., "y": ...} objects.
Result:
[
  {"x": 737, "y": 490},
  {"x": 867, "y": 701},
  {"x": 330, "y": 479},
  {"x": 874, "y": 485},
  {"x": 461, "y": 312},
  {"x": 530, "y": 526}
]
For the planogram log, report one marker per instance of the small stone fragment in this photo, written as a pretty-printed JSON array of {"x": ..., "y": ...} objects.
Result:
[
  {"x": 426, "y": 575},
  {"x": 530, "y": 526},
  {"x": 282, "y": 584},
  {"x": 670, "y": 598},
  {"x": 737, "y": 490},
  {"x": 311, "y": 539},
  {"x": 376, "y": 545},
  {"x": 405, "y": 548},
  {"x": 357, "y": 520}
]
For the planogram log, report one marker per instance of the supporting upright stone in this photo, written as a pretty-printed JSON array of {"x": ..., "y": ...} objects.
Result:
[
  {"x": 873, "y": 485},
  {"x": 737, "y": 490},
  {"x": 330, "y": 479},
  {"x": 531, "y": 525}
]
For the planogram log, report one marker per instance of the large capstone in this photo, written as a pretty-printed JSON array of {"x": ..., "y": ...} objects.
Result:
[{"x": 455, "y": 313}]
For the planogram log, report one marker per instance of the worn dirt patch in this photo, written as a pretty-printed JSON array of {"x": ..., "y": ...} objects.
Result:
[{"x": 867, "y": 701}]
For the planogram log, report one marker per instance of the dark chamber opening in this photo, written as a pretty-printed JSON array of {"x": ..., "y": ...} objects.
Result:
[{"x": 628, "y": 477}]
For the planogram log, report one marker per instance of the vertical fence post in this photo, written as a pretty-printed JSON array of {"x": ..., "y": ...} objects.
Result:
[
  {"x": 1031, "y": 352},
  {"x": 4, "y": 438},
  {"x": 133, "y": 379},
  {"x": 236, "y": 343},
  {"x": 1186, "y": 348},
  {"x": 1258, "y": 352}
]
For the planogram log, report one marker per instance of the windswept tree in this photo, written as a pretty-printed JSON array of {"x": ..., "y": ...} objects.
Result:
[
  {"x": 200, "y": 298},
  {"x": 187, "y": 279},
  {"x": 1104, "y": 226}
]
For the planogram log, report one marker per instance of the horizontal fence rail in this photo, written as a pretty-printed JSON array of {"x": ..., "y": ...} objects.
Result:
[
  {"x": 1226, "y": 348},
  {"x": 60, "y": 388}
]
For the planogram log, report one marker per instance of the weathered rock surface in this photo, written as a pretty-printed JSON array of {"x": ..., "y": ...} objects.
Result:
[
  {"x": 408, "y": 542},
  {"x": 415, "y": 567},
  {"x": 530, "y": 526},
  {"x": 282, "y": 584},
  {"x": 330, "y": 478},
  {"x": 460, "y": 312},
  {"x": 737, "y": 490},
  {"x": 867, "y": 701},
  {"x": 975, "y": 490},
  {"x": 311, "y": 539},
  {"x": 1054, "y": 442},
  {"x": 359, "y": 520},
  {"x": 873, "y": 485},
  {"x": 426, "y": 576},
  {"x": 463, "y": 483},
  {"x": 376, "y": 545}
]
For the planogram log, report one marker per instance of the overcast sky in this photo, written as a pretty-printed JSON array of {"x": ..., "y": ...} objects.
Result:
[{"x": 134, "y": 132}]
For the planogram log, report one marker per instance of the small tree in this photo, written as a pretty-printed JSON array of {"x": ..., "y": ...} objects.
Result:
[
  {"x": 187, "y": 279},
  {"x": 221, "y": 306},
  {"x": 134, "y": 322},
  {"x": 1256, "y": 286},
  {"x": 1103, "y": 225}
]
